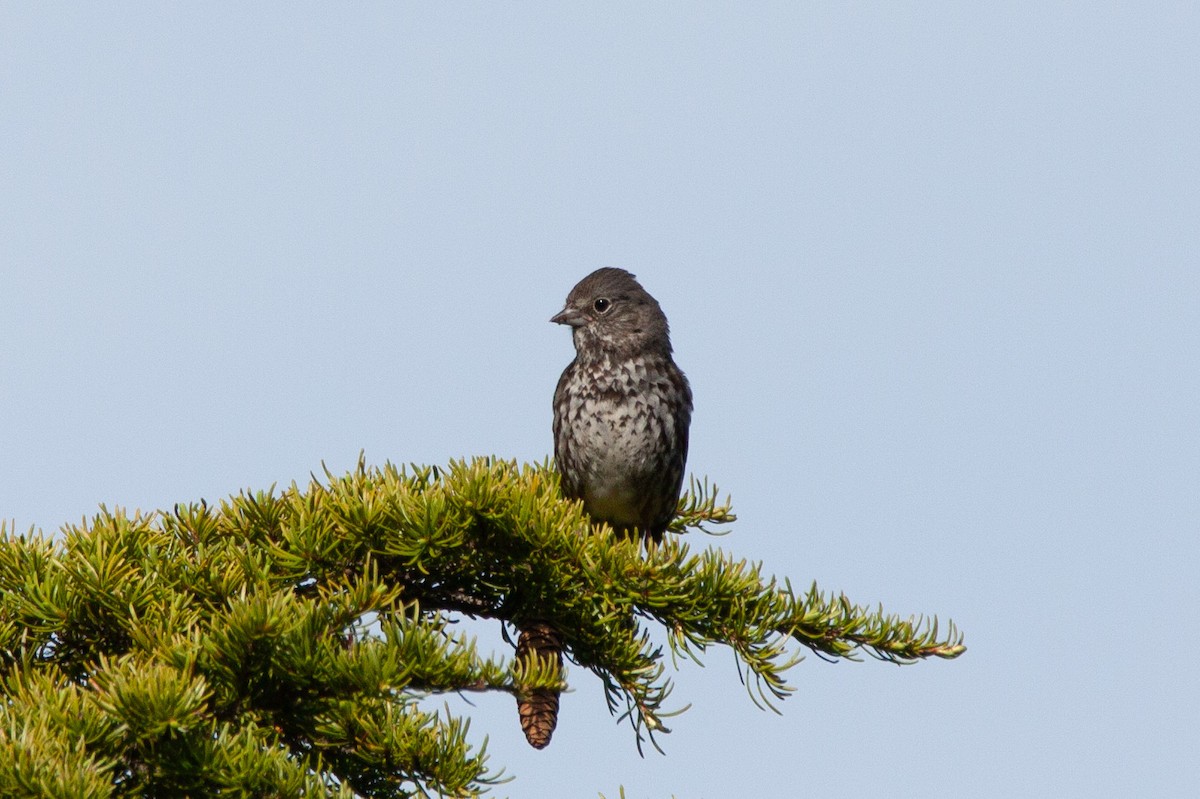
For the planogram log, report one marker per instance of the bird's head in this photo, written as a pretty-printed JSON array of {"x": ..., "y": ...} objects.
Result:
[{"x": 610, "y": 313}]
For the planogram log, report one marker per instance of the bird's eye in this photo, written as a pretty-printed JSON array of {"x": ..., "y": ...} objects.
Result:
[{"x": 602, "y": 305}]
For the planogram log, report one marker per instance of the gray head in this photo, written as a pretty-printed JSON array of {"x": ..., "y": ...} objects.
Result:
[{"x": 610, "y": 312}]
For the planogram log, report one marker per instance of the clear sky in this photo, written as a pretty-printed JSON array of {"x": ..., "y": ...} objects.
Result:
[{"x": 932, "y": 270}]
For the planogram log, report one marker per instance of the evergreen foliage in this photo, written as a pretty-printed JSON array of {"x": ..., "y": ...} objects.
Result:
[{"x": 277, "y": 645}]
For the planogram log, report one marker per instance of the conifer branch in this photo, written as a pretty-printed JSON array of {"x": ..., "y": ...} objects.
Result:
[{"x": 278, "y": 642}]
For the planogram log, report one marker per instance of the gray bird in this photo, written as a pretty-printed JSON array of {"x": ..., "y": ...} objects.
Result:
[{"x": 622, "y": 407}]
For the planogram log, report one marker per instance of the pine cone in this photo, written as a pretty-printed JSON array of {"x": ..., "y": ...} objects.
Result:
[{"x": 538, "y": 707}]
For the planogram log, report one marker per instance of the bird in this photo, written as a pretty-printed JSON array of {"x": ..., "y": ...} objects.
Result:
[{"x": 622, "y": 410}]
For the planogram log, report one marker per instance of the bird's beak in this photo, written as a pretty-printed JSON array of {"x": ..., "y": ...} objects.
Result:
[{"x": 569, "y": 316}]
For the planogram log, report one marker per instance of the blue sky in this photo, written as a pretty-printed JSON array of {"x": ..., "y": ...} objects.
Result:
[{"x": 931, "y": 269}]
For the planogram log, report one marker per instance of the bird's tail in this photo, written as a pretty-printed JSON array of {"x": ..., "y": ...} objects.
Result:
[{"x": 538, "y": 707}]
